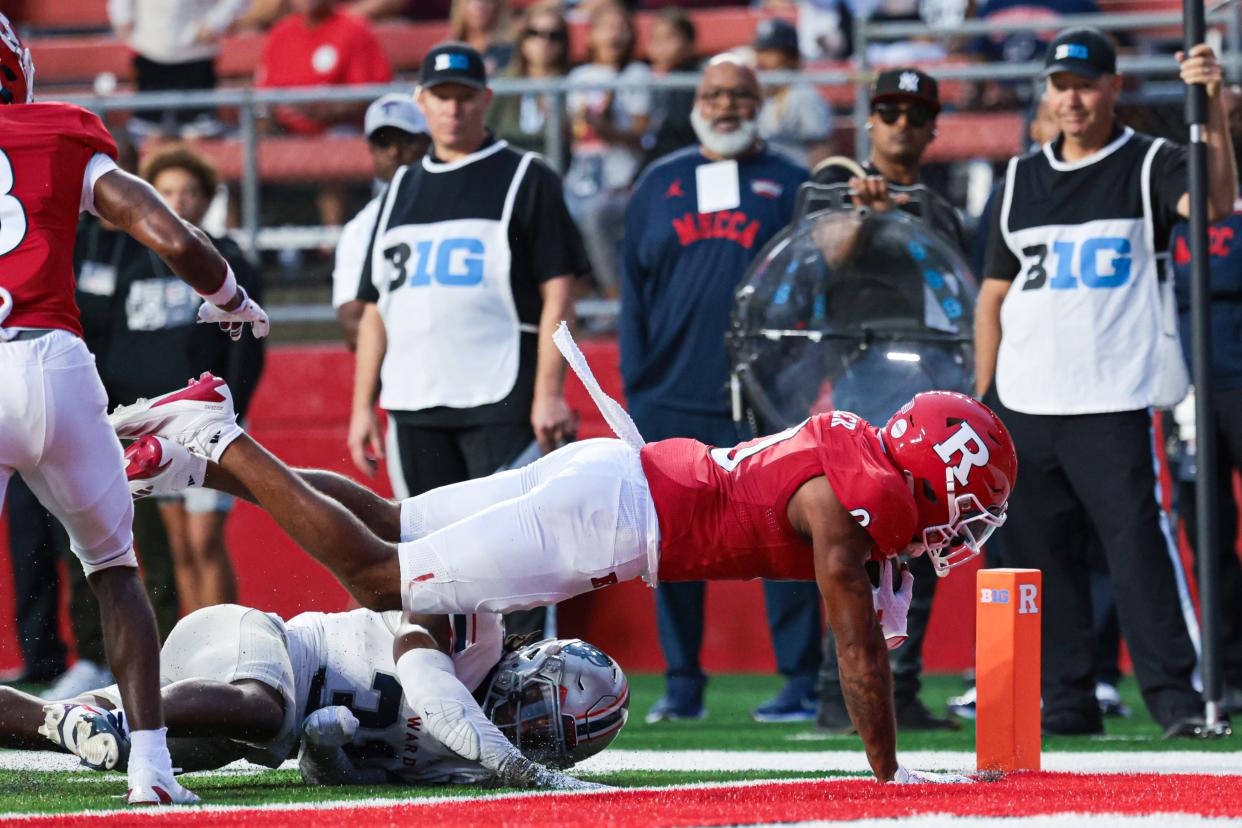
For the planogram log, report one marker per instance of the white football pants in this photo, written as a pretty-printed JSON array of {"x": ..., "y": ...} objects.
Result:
[
  {"x": 54, "y": 431},
  {"x": 578, "y": 519}
]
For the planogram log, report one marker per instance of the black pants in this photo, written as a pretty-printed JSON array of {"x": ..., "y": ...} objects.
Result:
[
  {"x": 1076, "y": 473},
  {"x": 36, "y": 543},
  {"x": 434, "y": 457},
  {"x": 1227, "y": 407},
  {"x": 174, "y": 77},
  {"x": 907, "y": 660}
]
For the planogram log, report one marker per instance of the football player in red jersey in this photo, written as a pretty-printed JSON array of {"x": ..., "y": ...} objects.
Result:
[
  {"x": 57, "y": 160},
  {"x": 814, "y": 502}
]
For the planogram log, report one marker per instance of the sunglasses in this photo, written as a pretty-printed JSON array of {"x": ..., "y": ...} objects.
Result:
[
  {"x": 916, "y": 116},
  {"x": 546, "y": 34}
]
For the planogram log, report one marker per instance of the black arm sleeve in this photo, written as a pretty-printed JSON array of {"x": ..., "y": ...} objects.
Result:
[
  {"x": 999, "y": 262},
  {"x": 543, "y": 229}
]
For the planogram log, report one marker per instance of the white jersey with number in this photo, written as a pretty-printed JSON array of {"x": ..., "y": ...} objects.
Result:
[{"x": 346, "y": 659}]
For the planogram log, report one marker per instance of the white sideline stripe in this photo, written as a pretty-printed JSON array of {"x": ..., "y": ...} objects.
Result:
[
  {"x": 839, "y": 761},
  {"x": 853, "y": 761}
]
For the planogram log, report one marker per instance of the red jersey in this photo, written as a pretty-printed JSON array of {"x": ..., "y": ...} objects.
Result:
[
  {"x": 44, "y": 150},
  {"x": 339, "y": 50},
  {"x": 723, "y": 511}
]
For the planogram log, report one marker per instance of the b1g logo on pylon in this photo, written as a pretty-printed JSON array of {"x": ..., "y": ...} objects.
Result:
[{"x": 993, "y": 596}]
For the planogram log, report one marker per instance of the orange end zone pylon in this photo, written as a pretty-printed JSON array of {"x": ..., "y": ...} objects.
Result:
[{"x": 1007, "y": 669}]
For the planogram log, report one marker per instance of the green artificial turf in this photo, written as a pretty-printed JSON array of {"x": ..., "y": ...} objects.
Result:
[{"x": 728, "y": 727}]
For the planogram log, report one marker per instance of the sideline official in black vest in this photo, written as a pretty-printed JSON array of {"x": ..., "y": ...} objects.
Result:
[
  {"x": 468, "y": 272},
  {"x": 1072, "y": 348}
]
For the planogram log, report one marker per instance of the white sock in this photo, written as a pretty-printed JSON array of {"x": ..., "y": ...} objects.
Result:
[{"x": 149, "y": 748}]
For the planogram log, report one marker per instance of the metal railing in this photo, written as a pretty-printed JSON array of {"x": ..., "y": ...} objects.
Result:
[{"x": 250, "y": 102}]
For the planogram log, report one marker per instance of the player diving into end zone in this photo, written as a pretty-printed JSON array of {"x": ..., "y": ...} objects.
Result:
[
  {"x": 239, "y": 683},
  {"x": 816, "y": 501}
]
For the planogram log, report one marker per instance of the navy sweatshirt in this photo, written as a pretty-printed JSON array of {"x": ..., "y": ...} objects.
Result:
[
  {"x": 681, "y": 269},
  {"x": 1225, "y": 279}
]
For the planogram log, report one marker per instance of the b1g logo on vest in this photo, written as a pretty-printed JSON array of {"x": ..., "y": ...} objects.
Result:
[
  {"x": 1102, "y": 262},
  {"x": 452, "y": 262},
  {"x": 967, "y": 443}
]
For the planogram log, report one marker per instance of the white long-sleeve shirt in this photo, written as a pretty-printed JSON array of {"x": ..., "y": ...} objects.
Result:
[{"x": 165, "y": 30}]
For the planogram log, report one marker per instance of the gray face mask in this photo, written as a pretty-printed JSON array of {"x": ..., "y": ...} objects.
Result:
[{"x": 725, "y": 144}]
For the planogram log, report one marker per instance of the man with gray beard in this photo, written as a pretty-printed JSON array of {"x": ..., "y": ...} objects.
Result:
[{"x": 695, "y": 221}]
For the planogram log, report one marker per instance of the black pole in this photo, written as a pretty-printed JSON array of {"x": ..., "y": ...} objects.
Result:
[{"x": 1201, "y": 350}]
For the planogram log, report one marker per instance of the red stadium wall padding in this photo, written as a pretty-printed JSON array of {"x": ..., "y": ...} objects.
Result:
[{"x": 301, "y": 413}]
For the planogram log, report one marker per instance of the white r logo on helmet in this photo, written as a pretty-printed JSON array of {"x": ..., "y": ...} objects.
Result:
[{"x": 972, "y": 448}]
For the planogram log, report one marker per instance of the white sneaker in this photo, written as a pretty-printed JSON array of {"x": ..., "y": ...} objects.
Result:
[
  {"x": 158, "y": 466},
  {"x": 199, "y": 417},
  {"x": 88, "y": 733},
  {"x": 148, "y": 786},
  {"x": 82, "y": 676}
]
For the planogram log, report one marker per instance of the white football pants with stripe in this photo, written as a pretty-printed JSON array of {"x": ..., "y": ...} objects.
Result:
[{"x": 578, "y": 519}]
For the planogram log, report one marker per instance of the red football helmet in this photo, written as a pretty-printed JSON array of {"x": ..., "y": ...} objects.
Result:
[
  {"x": 961, "y": 465},
  {"x": 16, "y": 67}
]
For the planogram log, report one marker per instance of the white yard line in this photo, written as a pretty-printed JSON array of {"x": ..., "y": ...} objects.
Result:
[
  {"x": 831, "y": 761},
  {"x": 853, "y": 761}
]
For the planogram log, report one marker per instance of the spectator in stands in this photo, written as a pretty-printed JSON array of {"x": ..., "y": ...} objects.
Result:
[
  {"x": 795, "y": 118},
  {"x": 1086, "y": 447},
  {"x": 155, "y": 339},
  {"x": 95, "y": 267},
  {"x": 175, "y": 44},
  {"x": 608, "y": 128},
  {"x": 542, "y": 51},
  {"x": 321, "y": 45},
  {"x": 484, "y": 24},
  {"x": 902, "y": 125},
  {"x": 671, "y": 48},
  {"x": 396, "y": 136},
  {"x": 692, "y": 228}
]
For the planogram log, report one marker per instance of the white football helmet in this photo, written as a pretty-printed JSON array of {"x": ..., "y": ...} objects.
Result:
[{"x": 559, "y": 700}]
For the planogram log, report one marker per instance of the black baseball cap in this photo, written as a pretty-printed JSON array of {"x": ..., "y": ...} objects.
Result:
[
  {"x": 453, "y": 62},
  {"x": 777, "y": 34},
  {"x": 1083, "y": 51},
  {"x": 906, "y": 82}
]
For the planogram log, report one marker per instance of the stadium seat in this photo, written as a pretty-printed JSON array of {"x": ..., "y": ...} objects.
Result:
[{"x": 64, "y": 14}]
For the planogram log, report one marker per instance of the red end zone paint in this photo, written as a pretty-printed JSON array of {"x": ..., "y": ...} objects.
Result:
[{"x": 1019, "y": 795}]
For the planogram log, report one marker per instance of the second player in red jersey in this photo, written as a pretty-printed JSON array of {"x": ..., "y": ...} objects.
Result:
[{"x": 57, "y": 161}]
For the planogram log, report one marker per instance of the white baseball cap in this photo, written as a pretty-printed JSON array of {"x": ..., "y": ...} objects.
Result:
[{"x": 394, "y": 110}]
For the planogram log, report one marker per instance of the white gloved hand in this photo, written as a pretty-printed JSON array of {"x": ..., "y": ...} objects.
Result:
[
  {"x": 330, "y": 726},
  {"x": 908, "y": 777},
  {"x": 891, "y": 607},
  {"x": 233, "y": 321}
]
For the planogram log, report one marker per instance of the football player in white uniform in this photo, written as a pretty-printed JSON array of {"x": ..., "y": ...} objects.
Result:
[{"x": 239, "y": 683}]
